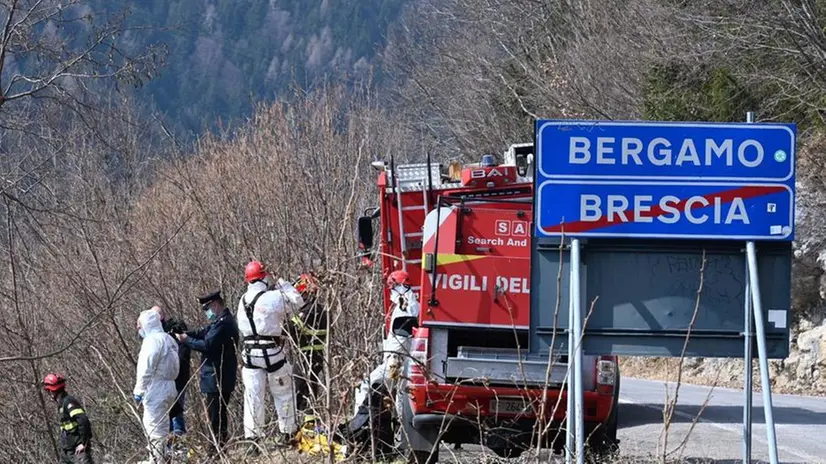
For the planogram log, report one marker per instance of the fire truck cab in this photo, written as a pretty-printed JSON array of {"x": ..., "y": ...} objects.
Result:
[{"x": 463, "y": 233}]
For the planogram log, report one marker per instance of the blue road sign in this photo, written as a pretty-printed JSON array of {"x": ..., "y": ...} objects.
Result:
[
  {"x": 664, "y": 150},
  {"x": 688, "y": 210},
  {"x": 665, "y": 180}
]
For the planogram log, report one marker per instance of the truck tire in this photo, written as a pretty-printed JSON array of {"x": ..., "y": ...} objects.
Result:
[
  {"x": 422, "y": 457},
  {"x": 603, "y": 442},
  {"x": 514, "y": 452},
  {"x": 505, "y": 441},
  {"x": 417, "y": 445}
]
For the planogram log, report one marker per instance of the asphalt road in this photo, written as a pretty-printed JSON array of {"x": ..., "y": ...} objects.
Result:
[
  {"x": 800, "y": 426},
  {"x": 800, "y": 423}
]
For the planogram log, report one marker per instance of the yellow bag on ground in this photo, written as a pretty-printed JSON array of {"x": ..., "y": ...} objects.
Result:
[{"x": 315, "y": 443}]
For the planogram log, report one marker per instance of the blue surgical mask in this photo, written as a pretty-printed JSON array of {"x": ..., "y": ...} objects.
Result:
[{"x": 210, "y": 314}]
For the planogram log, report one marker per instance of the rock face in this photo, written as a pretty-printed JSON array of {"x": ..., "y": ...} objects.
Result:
[
  {"x": 804, "y": 368},
  {"x": 803, "y": 372}
]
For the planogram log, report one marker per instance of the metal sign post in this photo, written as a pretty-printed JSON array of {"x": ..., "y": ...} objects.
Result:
[
  {"x": 754, "y": 281},
  {"x": 747, "y": 389},
  {"x": 571, "y": 419},
  {"x": 577, "y": 326},
  {"x": 575, "y": 439},
  {"x": 748, "y": 357}
]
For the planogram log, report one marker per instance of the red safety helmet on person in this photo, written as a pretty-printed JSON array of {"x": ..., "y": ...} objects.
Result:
[
  {"x": 306, "y": 283},
  {"x": 398, "y": 278},
  {"x": 255, "y": 270},
  {"x": 54, "y": 382}
]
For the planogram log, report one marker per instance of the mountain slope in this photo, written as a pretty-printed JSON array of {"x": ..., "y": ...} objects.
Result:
[{"x": 226, "y": 54}]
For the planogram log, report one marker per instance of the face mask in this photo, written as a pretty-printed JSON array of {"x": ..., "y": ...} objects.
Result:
[
  {"x": 400, "y": 289},
  {"x": 396, "y": 293},
  {"x": 210, "y": 314},
  {"x": 142, "y": 333}
]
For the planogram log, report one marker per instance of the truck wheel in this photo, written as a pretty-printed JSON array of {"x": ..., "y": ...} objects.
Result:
[
  {"x": 508, "y": 452},
  {"x": 417, "y": 446},
  {"x": 603, "y": 441},
  {"x": 422, "y": 457}
]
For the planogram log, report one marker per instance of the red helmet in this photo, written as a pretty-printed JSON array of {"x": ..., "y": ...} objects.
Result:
[
  {"x": 255, "y": 270},
  {"x": 54, "y": 382},
  {"x": 398, "y": 278},
  {"x": 306, "y": 283}
]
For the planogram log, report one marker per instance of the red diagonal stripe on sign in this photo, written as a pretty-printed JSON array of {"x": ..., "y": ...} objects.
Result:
[{"x": 726, "y": 196}]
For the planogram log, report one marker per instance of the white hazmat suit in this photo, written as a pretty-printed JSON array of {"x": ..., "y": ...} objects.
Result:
[
  {"x": 264, "y": 362},
  {"x": 396, "y": 345},
  {"x": 155, "y": 380}
]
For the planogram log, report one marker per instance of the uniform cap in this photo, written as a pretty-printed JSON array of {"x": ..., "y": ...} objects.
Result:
[{"x": 209, "y": 297}]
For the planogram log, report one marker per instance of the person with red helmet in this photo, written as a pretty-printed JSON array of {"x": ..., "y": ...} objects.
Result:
[
  {"x": 396, "y": 346},
  {"x": 263, "y": 312},
  {"x": 254, "y": 271},
  {"x": 309, "y": 331},
  {"x": 75, "y": 427}
]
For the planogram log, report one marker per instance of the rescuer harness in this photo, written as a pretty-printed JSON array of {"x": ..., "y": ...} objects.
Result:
[
  {"x": 260, "y": 342},
  {"x": 317, "y": 336}
]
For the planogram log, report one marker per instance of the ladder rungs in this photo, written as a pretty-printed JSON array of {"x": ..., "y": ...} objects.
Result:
[{"x": 413, "y": 208}]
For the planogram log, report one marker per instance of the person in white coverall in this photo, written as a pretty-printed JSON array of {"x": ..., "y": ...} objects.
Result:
[
  {"x": 262, "y": 316},
  {"x": 157, "y": 369},
  {"x": 396, "y": 345}
]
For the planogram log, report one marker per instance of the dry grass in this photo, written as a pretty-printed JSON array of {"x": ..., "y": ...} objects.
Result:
[{"x": 88, "y": 255}]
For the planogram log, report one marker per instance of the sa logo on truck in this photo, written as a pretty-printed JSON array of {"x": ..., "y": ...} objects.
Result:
[{"x": 514, "y": 228}]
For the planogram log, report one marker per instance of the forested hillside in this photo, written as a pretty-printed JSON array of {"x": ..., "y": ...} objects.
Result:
[
  {"x": 224, "y": 55},
  {"x": 104, "y": 213}
]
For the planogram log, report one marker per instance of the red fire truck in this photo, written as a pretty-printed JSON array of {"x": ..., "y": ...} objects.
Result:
[{"x": 463, "y": 233}]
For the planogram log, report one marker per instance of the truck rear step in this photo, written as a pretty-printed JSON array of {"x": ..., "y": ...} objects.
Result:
[{"x": 506, "y": 367}]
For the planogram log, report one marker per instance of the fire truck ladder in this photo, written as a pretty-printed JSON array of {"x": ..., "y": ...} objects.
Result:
[{"x": 408, "y": 178}]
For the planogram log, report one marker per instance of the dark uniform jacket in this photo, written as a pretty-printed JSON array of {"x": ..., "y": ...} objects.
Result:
[
  {"x": 217, "y": 343},
  {"x": 174, "y": 326},
  {"x": 75, "y": 428},
  {"x": 309, "y": 327}
]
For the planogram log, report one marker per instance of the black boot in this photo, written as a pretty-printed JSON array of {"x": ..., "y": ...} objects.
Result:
[
  {"x": 284, "y": 440},
  {"x": 254, "y": 448}
]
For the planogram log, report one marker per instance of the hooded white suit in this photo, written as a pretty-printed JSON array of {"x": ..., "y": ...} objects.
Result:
[
  {"x": 396, "y": 345},
  {"x": 263, "y": 355},
  {"x": 157, "y": 369}
]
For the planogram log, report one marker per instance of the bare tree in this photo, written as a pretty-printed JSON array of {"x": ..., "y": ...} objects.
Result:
[{"x": 475, "y": 74}]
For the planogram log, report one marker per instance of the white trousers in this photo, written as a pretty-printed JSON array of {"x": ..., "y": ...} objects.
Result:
[
  {"x": 396, "y": 353},
  {"x": 280, "y": 385},
  {"x": 156, "y": 407}
]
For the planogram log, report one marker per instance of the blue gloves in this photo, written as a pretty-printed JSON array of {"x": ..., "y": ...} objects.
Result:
[{"x": 138, "y": 399}]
